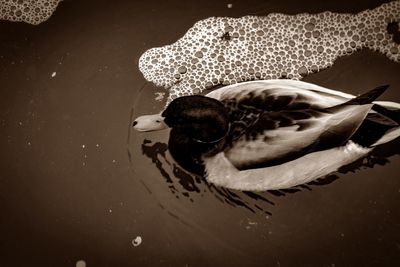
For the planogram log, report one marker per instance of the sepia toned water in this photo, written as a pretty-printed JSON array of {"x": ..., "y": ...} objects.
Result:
[{"x": 78, "y": 187}]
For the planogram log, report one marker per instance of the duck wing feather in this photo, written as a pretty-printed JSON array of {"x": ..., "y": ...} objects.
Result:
[
  {"x": 279, "y": 133},
  {"x": 278, "y": 137}
]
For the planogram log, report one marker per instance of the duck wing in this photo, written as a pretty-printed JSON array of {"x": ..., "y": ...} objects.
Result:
[
  {"x": 275, "y": 95},
  {"x": 276, "y": 137},
  {"x": 247, "y": 102}
]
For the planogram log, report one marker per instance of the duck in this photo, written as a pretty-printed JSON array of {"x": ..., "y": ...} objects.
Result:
[{"x": 273, "y": 134}]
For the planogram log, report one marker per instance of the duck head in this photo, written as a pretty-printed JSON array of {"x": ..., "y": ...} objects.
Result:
[
  {"x": 200, "y": 118},
  {"x": 203, "y": 119},
  {"x": 199, "y": 126}
]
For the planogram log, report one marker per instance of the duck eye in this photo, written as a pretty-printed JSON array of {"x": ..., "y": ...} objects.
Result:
[{"x": 158, "y": 121}]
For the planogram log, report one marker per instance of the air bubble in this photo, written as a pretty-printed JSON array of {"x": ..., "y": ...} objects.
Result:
[
  {"x": 199, "y": 54},
  {"x": 316, "y": 34},
  {"x": 303, "y": 71},
  {"x": 182, "y": 70},
  {"x": 309, "y": 26},
  {"x": 260, "y": 33}
]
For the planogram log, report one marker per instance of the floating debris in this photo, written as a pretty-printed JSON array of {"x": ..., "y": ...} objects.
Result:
[
  {"x": 137, "y": 241},
  {"x": 159, "y": 96}
]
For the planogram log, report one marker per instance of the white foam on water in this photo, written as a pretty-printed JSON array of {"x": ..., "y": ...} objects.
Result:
[
  {"x": 223, "y": 50},
  {"x": 29, "y": 11}
]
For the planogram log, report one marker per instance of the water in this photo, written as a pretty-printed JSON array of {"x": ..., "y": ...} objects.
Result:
[{"x": 76, "y": 188}]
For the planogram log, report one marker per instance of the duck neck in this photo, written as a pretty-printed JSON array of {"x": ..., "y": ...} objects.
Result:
[
  {"x": 208, "y": 129},
  {"x": 217, "y": 140}
]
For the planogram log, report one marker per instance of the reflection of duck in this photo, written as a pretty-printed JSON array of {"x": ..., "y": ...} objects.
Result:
[{"x": 273, "y": 134}]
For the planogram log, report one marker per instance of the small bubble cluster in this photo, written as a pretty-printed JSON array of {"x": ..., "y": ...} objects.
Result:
[
  {"x": 29, "y": 11},
  {"x": 221, "y": 50}
]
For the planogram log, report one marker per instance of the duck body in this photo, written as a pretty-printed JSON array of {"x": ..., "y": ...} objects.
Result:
[{"x": 275, "y": 134}]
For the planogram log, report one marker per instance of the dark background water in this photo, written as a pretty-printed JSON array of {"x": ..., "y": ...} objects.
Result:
[{"x": 69, "y": 189}]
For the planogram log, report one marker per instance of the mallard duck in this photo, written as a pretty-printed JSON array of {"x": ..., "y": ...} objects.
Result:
[{"x": 274, "y": 134}]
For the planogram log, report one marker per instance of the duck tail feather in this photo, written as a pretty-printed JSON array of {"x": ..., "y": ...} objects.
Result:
[
  {"x": 390, "y": 135},
  {"x": 367, "y": 97},
  {"x": 392, "y": 114},
  {"x": 363, "y": 99}
]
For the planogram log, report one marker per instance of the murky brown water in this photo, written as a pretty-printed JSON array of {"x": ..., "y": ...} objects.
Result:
[{"x": 77, "y": 185}]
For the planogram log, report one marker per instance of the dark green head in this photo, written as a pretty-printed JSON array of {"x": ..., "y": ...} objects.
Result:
[{"x": 201, "y": 118}]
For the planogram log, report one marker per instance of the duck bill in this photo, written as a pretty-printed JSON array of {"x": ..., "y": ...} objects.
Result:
[{"x": 149, "y": 123}]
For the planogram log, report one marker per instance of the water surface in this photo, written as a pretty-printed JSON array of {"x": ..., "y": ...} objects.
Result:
[{"x": 75, "y": 186}]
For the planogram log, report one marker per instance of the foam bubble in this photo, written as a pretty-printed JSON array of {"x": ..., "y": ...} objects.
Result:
[
  {"x": 29, "y": 11},
  {"x": 222, "y": 50}
]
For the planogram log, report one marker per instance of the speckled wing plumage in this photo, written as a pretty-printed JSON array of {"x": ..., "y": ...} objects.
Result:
[
  {"x": 272, "y": 125},
  {"x": 246, "y": 104},
  {"x": 278, "y": 137}
]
